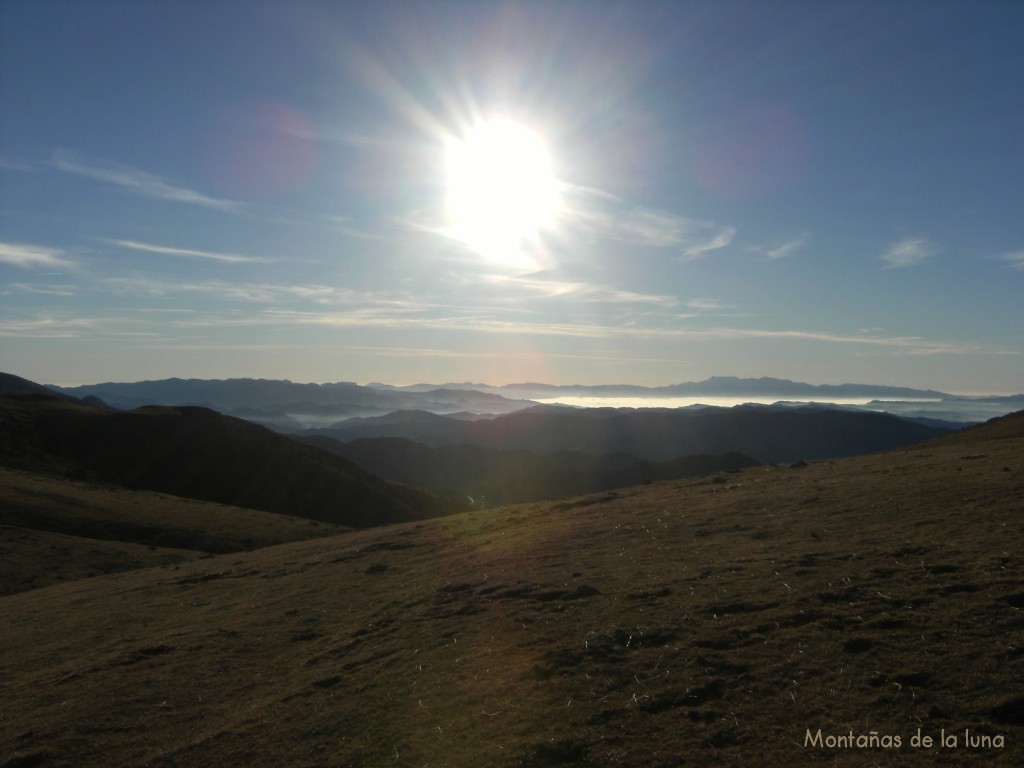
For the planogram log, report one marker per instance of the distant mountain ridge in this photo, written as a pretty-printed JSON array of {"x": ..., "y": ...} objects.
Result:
[
  {"x": 290, "y": 407},
  {"x": 764, "y": 433},
  {"x": 929, "y": 405},
  {"x": 227, "y": 394},
  {"x": 714, "y": 386}
]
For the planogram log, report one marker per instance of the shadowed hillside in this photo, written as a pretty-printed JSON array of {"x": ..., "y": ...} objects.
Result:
[
  {"x": 778, "y": 619},
  {"x": 765, "y": 434},
  {"x": 11, "y": 384},
  {"x": 197, "y": 453}
]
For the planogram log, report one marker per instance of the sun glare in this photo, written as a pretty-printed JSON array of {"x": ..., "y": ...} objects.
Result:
[{"x": 501, "y": 189}]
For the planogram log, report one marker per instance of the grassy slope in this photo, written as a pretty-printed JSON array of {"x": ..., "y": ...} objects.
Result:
[
  {"x": 692, "y": 622},
  {"x": 30, "y": 559},
  {"x": 54, "y": 530}
]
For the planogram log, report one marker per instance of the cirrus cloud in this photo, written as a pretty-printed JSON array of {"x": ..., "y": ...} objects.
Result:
[
  {"x": 188, "y": 253},
  {"x": 138, "y": 181},
  {"x": 1014, "y": 258},
  {"x": 908, "y": 252},
  {"x": 29, "y": 256}
]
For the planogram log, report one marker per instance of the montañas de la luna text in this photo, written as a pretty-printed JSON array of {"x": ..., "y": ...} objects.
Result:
[{"x": 876, "y": 740}]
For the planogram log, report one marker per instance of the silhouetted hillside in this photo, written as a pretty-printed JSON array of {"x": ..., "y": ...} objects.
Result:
[
  {"x": 766, "y": 434},
  {"x": 492, "y": 476},
  {"x": 197, "y": 453},
  {"x": 15, "y": 385}
]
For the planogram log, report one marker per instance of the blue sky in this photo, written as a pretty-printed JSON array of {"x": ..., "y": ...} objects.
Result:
[{"x": 826, "y": 192}]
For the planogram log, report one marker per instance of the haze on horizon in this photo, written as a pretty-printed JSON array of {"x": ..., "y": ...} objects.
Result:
[{"x": 568, "y": 193}]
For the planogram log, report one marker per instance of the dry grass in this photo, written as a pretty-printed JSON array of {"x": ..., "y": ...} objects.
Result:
[
  {"x": 33, "y": 559},
  {"x": 705, "y": 622}
]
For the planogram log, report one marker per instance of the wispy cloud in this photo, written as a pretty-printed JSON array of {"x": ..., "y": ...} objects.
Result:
[
  {"x": 898, "y": 345},
  {"x": 326, "y": 307},
  {"x": 1014, "y": 258},
  {"x": 706, "y": 305},
  {"x": 720, "y": 238},
  {"x": 908, "y": 252},
  {"x": 661, "y": 229},
  {"x": 31, "y": 256},
  {"x": 48, "y": 327},
  {"x": 188, "y": 253},
  {"x": 490, "y": 320},
  {"x": 588, "y": 292},
  {"x": 479, "y": 323},
  {"x": 607, "y": 216},
  {"x": 589, "y": 221},
  {"x": 428, "y": 352},
  {"x": 653, "y": 228},
  {"x": 138, "y": 181},
  {"x": 256, "y": 293},
  {"x": 40, "y": 290},
  {"x": 503, "y": 354},
  {"x": 214, "y": 346},
  {"x": 903, "y": 345},
  {"x": 346, "y": 227},
  {"x": 782, "y": 251}
]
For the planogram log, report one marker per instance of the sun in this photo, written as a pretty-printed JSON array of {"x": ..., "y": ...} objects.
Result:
[{"x": 501, "y": 189}]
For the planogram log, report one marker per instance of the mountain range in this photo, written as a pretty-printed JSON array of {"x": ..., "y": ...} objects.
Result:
[
  {"x": 289, "y": 406},
  {"x": 764, "y": 433},
  {"x": 715, "y": 386},
  {"x": 533, "y": 453},
  {"x": 292, "y": 407}
]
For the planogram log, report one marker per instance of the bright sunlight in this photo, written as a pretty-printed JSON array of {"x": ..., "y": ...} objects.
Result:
[{"x": 501, "y": 189}]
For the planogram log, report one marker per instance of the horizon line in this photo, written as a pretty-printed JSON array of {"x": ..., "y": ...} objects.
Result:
[{"x": 526, "y": 384}]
